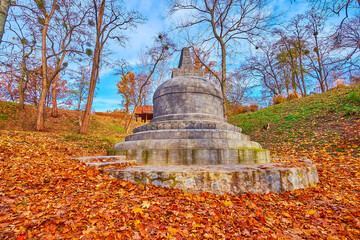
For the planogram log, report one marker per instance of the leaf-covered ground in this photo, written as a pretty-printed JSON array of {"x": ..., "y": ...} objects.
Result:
[{"x": 46, "y": 195}]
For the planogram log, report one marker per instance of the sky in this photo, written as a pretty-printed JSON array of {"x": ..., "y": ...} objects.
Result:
[{"x": 107, "y": 97}]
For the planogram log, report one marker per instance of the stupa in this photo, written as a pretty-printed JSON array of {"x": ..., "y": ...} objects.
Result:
[
  {"x": 189, "y": 127},
  {"x": 189, "y": 145}
]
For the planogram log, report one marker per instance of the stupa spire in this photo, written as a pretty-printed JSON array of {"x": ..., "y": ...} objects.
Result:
[{"x": 186, "y": 67}]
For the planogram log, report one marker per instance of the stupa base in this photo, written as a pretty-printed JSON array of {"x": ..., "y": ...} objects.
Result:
[{"x": 221, "y": 179}]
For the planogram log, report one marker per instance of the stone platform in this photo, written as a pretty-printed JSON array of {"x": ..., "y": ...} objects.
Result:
[{"x": 221, "y": 179}]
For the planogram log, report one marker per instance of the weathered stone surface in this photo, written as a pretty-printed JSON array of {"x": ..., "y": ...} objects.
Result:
[
  {"x": 186, "y": 67},
  {"x": 220, "y": 179}
]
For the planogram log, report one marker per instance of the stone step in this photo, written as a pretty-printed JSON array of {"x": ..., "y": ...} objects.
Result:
[
  {"x": 221, "y": 179},
  {"x": 104, "y": 164},
  {"x": 94, "y": 158}
]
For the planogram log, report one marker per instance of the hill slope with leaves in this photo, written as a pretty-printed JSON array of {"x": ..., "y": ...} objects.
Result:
[{"x": 103, "y": 129}]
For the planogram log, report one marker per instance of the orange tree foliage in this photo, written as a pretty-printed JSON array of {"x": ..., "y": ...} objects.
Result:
[
  {"x": 47, "y": 195},
  {"x": 129, "y": 88},
  {"x": 201, "y": 60}
]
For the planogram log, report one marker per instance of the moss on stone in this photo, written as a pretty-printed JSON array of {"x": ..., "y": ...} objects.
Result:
[{"x": 146, "y": 154}]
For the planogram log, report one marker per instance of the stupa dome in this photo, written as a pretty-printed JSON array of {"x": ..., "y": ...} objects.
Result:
[{"x": 188, "y": 98}]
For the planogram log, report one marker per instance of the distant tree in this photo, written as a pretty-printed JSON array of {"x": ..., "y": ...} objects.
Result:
[
  {"x": 8, "y": 86},
  {"x": 79, "y": 88},
  {"x": 67, "y": 38},
  {"x": 110, "y": 19},
  {"x": 127, "y": 86},
  {"x": 33, "y": 93},
  {"x": 292, "y": 51},
  {"x": 265, "y": 66},
  {"x": 239, "y": 86},
  {"x": 202, "y": 60},
  {"x": 321, "y": 49},
  {"x": 222, "y": 23},
  {"x": 19, "y": 52}
]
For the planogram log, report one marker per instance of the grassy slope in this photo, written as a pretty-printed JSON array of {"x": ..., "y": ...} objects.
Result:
[
  {"x": 104, "y": 131},
  {"x": 322, "y": 118}
]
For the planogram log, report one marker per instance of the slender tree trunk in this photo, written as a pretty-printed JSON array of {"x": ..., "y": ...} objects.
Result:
[
  {"x": 94, "y": 72},
  {"x": 44, "y": 89},
  {"x": 302, "y": 75},
  {"x": 21, "y": 92},
  {"x": 223, "y": 77},
  {"x": 84, "y": 126},
  {"x": 45, "y": 84},
  {"x": 79, "y": 104},
  {"x": 4, "y": 9},
  {"x": 55, "y": 111}
]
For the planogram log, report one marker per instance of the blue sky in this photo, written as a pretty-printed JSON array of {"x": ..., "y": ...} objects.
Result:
[{"x": 155, "y": 11}]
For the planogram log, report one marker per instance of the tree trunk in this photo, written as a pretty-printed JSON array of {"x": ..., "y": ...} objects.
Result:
[
  {"x": 79, "y": 104},
  {"x": 41, "y": 107},
  {"x": 21, "y": 92},
  {"x": 55, "y": 111},
  {"x": 4, "y": 9},
  {"x": 94, "y": 72},
  {"x": 45, "y": 87},
  {"x": 223, "y": 77},
  {"x": 84, "y": 126},
  {"x": 42, "y": 99},
  {"x": 302, "y": 74}
]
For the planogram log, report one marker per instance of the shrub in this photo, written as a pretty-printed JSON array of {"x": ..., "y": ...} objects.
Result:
[
  {"x": 253, "y": 107},
  {"x": 293, "y": 95},
  {"x": 116, "y": 115},
  {"x": 339, "y": 83},
  {"x": 277, "y": 99}
]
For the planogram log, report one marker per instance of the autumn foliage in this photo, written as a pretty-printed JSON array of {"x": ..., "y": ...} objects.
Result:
[{"x": 129, "y": 87}]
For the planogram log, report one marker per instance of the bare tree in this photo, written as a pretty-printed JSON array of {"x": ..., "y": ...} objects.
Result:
[
  {"x": 320, "y": 62},
  {"x": 20, "y": 52},
  {"x": 223, "y": 22},
  {"x": 56, "y": 21},
  {"x": 290, "y": 55},
  {"x": 111, "y": 20},
  {"x": 80, "y": 87},
  {"x": 66, "y": 39},
  {"x": 349, "y": 39},
  {"x": 239, "y": 85},
  {"x": 337, "y": 7},
  {"x": 265, "y": 66}
]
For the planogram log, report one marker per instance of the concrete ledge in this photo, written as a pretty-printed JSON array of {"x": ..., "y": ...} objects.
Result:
[
  {"x": 185, "y": 124},
  {"x": 220, "y": 179},
  {"x": 94, "y": 158}
]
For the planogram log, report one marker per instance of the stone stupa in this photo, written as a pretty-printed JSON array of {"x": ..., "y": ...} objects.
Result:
[
  {"x": 189, "y": 145},
  {"x": 189, "y": 127}
]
